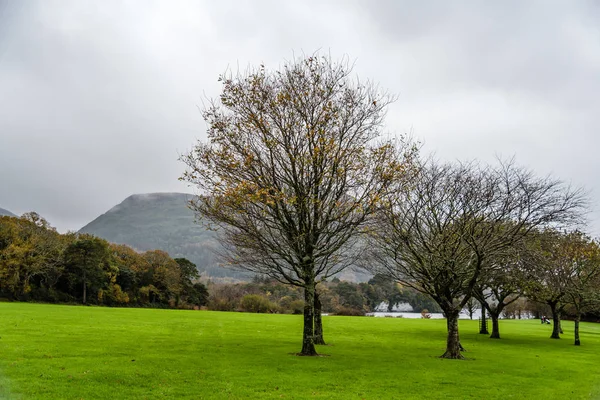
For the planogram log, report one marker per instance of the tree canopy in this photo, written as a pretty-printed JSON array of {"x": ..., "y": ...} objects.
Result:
[{"x": 292, "y": 170}]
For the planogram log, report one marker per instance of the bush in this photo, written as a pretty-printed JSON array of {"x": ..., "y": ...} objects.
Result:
[
  {"x": 296, "y": 307},
  {"x": 224, "y": 297},
  {"x": 351, "y": 312},
  {"x": 221, "y": 305},
  {"x": 257, "y": 304},
  {"x": 425, "y": 314}
]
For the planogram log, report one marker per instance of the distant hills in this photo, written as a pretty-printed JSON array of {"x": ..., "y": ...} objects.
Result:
[
  {"x": 163, "y": 221},
  {"x": 7, "y": 213},
  {"x": 160, "y": 221}
]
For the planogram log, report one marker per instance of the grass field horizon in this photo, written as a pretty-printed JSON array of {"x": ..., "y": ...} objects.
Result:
[{"x": 75, "y": 352}]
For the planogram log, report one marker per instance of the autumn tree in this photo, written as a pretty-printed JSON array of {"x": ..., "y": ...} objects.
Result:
[
  {"x": 291, "y": 171},
  {"x": 437, "y": 233},
  {"x": 582, "y": 293},
  {"x": 30, "y": 249}
]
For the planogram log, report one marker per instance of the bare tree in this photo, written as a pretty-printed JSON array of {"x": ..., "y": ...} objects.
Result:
[
  {"x": 471, "y": 307},
  {"x": 563, "y": 269},
  {"x": 500, "y": 285},
  {"x": 437, "y": 233},
  {"x": 291, "y": 172}
]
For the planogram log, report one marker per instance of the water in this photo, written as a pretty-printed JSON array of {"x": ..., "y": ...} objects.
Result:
[{"x": 463, "y": 315}]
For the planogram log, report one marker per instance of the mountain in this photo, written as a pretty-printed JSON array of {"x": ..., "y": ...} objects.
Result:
[
  {"x": 160, "y": 221},
  {"x": 6, "y": 213},
  {"x": 163, "y": 221}
]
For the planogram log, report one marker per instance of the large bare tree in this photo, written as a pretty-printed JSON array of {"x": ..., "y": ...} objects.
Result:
[
  {"x": 438, "y": 233},
  {"x": 291, "y": 171}
]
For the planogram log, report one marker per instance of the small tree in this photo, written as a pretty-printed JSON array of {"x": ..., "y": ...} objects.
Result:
[
  {"x": 471, "y": 307},
  {"x": 500, "y": 286},
  {"x": 291, "y": 172},
  {"x": 582, "y": 293},
  {"x": 562, "y": 269}
]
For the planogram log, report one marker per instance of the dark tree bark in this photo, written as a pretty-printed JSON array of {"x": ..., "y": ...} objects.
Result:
[
  {"x": 453, "y": 346},
  {"x": 448, "y": 330},
  {"x": 483, "y": 329},
  {"x": 308, "y": 344},
  {"x": 577, "y": 341},
  {"x": 560, "y": 329},
  {"x": 495, "y": 326},
  {"x": 555, "y": 321},
  {"x": 318, "y": 337}
]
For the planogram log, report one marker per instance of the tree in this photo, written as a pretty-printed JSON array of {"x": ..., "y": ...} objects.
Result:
[
  {"x": 563, "y": 269},
  {"x": 582, "y": 292},
  {"x": 471, "y": 307},
  {"x": 195, "y": 292},
  {"x": 163, "y": 278},
  {"x": 87, "y": 257},
  {"x": 30, "y": 250},
  {"x": 500, "y": 286},
  {"x": 437, "y": 233},
  {"x": 291, "y": 171}
]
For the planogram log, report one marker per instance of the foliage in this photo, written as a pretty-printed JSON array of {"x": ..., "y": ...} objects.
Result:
[
  {"x": 255, "y": 303},
  {"x": 37, "y": 263},
  {"x": 291, "y": 171}
]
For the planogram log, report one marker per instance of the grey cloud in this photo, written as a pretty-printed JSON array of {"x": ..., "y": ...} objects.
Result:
[{"x": 98, "y": 97}]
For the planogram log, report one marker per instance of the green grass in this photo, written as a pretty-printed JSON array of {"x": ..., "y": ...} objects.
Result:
[{"x": 66, "y": 352}]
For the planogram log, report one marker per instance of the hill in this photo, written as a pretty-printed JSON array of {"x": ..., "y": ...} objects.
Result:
[
  {"x": 163, "y": 221},
  {"x": 160, "y": 221},
  {"x": 6, "y": 213}
]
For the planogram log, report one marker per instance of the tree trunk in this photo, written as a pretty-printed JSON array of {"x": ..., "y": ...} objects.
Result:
[
  {"x": 453, "y": 346},
  {"x": 560, "y": 324},
  {"x": 495, "y": 326},
  {"x": 84, "y": 287},
  {"x": 318, "y": 322},
  {"x": 308, "y": 344},
  {"x": 577, "y": 318},
  {"x": 483, "y": 330},
  {"x": 555, "y": 322}
]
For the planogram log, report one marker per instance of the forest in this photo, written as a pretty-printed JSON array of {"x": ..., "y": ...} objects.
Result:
[{"x": 39, "y": 264}]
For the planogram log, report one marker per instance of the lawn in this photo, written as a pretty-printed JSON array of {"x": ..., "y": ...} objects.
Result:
[{"x": 67, "y": 352}]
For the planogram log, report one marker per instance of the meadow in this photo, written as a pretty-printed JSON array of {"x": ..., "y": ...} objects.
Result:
[{"x": 73, "y": 352}]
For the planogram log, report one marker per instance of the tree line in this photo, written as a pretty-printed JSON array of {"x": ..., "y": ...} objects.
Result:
[
  {"x": 300, "y": 182},
  {"x": 39, "y": 264},
  {"x": 266, "y": 295}
]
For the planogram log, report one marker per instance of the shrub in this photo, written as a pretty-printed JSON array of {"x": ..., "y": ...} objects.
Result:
[
  {"x": 348, "y": 311},
  {"x": 425, "y": 314},
  {"x": 296, "y": 307},
  {"x": 221, "y": 305},
  {"x": 256, "y": 304}
]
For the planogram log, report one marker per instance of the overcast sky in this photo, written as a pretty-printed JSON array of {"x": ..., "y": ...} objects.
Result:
[{"x": 98, "y": 98}]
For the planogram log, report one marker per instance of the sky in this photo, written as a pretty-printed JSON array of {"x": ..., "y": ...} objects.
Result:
[{"x": 99, "y": 98}]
